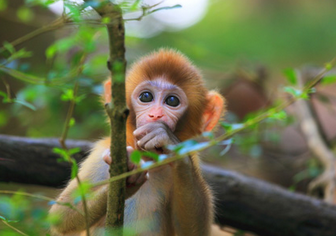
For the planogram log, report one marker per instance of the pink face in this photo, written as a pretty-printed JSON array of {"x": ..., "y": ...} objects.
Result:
[{"x": 158, "y": 100}]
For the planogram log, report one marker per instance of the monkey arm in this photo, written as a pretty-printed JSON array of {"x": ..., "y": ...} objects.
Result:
[
  {"x": 192, "y": 209},
  {"x": 92, "y": 170}
]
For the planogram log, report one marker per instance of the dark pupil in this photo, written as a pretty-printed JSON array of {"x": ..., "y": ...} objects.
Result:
[
  {"x": 172, "y": 101},
  {"x": 146, "y": 97}
]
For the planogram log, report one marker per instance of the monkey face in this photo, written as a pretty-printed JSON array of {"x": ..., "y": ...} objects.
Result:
[{"x": 158, "y": 101}]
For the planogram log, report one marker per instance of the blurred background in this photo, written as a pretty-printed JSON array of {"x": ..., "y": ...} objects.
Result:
[{"x": 242, "y": 47}]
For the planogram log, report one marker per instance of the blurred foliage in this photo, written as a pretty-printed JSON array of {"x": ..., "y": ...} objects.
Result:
[
  {"x": 16, "y": 209},
  {"x": 277, "y": 34}
]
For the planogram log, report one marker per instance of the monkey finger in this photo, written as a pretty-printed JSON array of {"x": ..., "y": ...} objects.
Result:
[
  {"x": 106, "y": 155},
  {"x": 129, "y": 150},
  {"x": 142, "y": 178},
  {"x": 130, "y": 165},
  {"x": 142, "y": 142},
  {"x": 144, "y": 130},
  {"x": 133, "y": 178},
  {"x": 155, "y": 144}
]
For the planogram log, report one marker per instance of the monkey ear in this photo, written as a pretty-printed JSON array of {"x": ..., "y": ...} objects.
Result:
[
  {"x": 107, "y": 92},
  {"x": 213, "y": 110}
]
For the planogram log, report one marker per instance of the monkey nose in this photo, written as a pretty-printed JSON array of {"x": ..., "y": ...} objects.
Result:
[{"x": 155, "y": 117}]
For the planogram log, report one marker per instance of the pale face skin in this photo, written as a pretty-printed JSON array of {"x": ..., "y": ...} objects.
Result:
[
  {"x": 158, "y": 106},
  {"x": 158, "y": 100}
]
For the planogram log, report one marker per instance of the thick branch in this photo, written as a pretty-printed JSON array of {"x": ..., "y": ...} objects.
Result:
[
  {"x": 116, "y": 112},
  {"x": 241, "y": 202}
]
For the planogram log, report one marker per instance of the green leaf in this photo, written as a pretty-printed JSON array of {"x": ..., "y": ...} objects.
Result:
[
  {"x": 26, "y": 104},
  {"x": 106, "y": 20},
  {"x": 85, "y": 187},
  {"x": 68, "y": 95},
  {"x": 226, "y": 126},
  {"x": 60, "y": 151},
  {"x": 22, "y": 76},
  {"x": 63, "y": 153},
  {"x": 136, "y": 5},
  {"x": 49, "y": 2},
  {"x": 152, "y": 155},
  {"x": 51, "y": 51},
  {"x": 22, "y": 53},
  {"x": 290, "y": 73},
  {"x": 9, "y": 46},
  {"x": 279, "y": 115},
  {"x": 72, "y": 122},
  {"x": 60, "y": 46},
  {"x": 3, "y": 94},
  {"x": 80, "y": 98},
  {"x": 74, "y": 170},
  {"x": 328, "y": 66},
  {"x": 294, "y": 92},
  {"x": 74, "y": 151},
  {"x": 25, "y": 14},
  {"x": 42, "y": 3},
  {"x": 74, "y": 10},
  {"x": 136, "y": 157},
  {"x": 3, "y": 5},
  {"x": 166, "y": 8},
  {"x": 329, "y": 79}
]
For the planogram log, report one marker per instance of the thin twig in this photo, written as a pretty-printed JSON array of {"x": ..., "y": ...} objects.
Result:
[
  {"x": 85, "y": 207},
  {"x": 63, "y": 144},
  {"x": 58, "y": 23},
  {"x": 15, "y": 229},
  {"x": 68, "y": 118},
  {"x": 7, "y": 88}
]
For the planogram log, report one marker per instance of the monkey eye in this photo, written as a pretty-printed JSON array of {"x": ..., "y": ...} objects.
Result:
[
  {"x": 146, "y": 97},
  {"x": 172, "y": 101}
]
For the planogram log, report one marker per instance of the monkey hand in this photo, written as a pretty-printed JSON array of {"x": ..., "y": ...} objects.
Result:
[
  {"x": 154, "y": 136},
  {"x": 133, "y": 182}
]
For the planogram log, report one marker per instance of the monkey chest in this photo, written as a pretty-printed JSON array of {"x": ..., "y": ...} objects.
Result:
[{"x": 148, "y": 211}]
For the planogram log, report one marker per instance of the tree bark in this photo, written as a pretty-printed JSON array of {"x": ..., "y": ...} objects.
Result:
[
  {"x": 241, "y": 202},
  {"x": 117, "y": 112}
]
